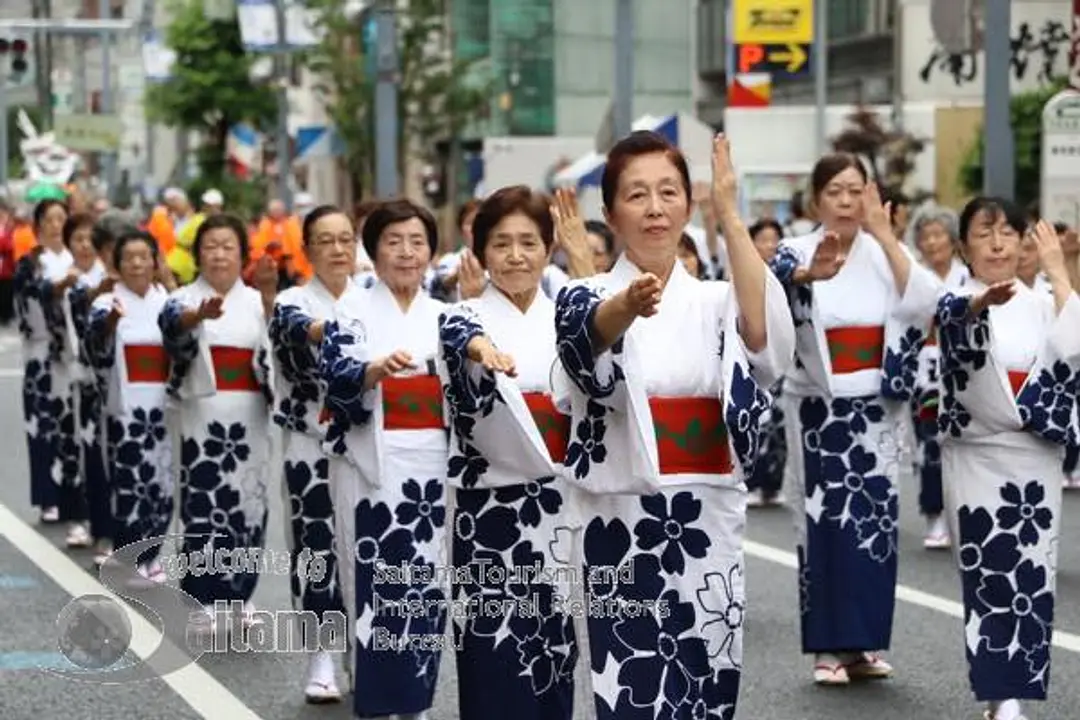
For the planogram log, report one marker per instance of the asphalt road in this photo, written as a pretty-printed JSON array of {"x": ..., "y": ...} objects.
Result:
[{"x": 38, "y": 578}]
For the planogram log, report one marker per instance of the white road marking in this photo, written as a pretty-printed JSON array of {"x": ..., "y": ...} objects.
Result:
[
  {"x": 10, "y": 373},
  {"x": 198, "y": 688},
  {"x": 910, "y": 595}
]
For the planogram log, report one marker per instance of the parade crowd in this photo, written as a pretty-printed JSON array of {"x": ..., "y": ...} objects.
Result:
[{"x": 563, "y": 408}]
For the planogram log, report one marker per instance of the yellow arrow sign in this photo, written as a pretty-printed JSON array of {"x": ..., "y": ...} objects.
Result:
[{"x": 794, "y": 56}]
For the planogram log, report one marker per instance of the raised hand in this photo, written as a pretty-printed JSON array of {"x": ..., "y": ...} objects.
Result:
[
  {"x": 115, "y": 312},
  {"x": 828, "y": 258},
  {"x": 1051, "y": 253},
  {"x": 481, "y": 351},
  {"x": 643, "y": 295},
  {"x": 569, "y": 224},
  {"x": 997, "y": 294},
  {"x": 725, "y": 190},
  {"x": 211, "y": 308},
  {"x": 471, "y": 279},
  {"x": 877, "y": 217},
  {"x": 107, "y": 284}
]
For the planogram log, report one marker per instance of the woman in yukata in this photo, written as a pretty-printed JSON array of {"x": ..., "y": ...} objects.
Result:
[
  {"x": 89, "y": 391},
  {"x": 507, "y": 445},
  {"x": 389, "y": 448},
  {"x": 41, "y": 279},
  {"x": 664, "y": 378},
  {"x": 933, "y": 233},
  {"x": 862, "y": 309},
  {"x": 215, "y": 333},
  {"x": 124, "y": 346},
  {"x": 767, "y": 480},
  {"x": 77, "y": 234},
  {"x": 296, "y": 333},
  {"x": 1009, "y": 361}
]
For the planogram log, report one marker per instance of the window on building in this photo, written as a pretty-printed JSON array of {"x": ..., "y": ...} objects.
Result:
[{"x": 847, "y": 18}]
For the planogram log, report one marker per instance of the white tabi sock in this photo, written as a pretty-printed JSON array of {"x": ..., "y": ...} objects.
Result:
[{"x": 1005, "y": 710}]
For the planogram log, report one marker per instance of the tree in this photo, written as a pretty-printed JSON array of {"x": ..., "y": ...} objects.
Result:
[
  {"x": 210, "y": 91},
  {"x": 1025, "y": 116},
  {"x": 438, "y": 95},
  {"x": 889, "y": 154}
]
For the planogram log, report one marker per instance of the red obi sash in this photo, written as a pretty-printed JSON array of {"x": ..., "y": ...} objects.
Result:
[
  {"x": 554, "y": 427},
  {"x": 233, "y": 369},
  {"x": 691, "y": 437},
  {"x": 146, "y": 364},
  {"x": 928, "y": 412},
  {"x": 1017, "y": 378},
  {"x": 412, "y": 403},
  {"x": 856, "y": 348}
]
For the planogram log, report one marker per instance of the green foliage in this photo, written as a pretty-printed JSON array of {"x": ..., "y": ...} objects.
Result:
[
  {"x": 438, "y": 95},
  {"x": 1025, "y": 116},
  {"x": 890, "y": 154},
  {"x": 211, "y": 88}
]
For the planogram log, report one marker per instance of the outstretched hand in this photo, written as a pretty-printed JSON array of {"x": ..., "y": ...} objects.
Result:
[{"x": 997, "y": 294}]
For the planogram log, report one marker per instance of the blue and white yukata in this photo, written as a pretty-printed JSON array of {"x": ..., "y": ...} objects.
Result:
[
  {"x": 507, "y": 444},
  {"x": 219, "y": 379},
  {"x": 846, "y": 402},
  {"x": 768, "y": 476},
  {"x": 48, "y": 407},
  {"x": 660, "y": 445},
  {"x": 134, "y": 367},
  {"x": 388, "y": 450},
  {"x": 1009, "y": 383},
  {"x": 88, "y": 396},
  {"x": 299, "y": 398}
]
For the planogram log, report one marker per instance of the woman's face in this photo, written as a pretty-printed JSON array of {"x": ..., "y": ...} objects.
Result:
[
  {"x": 82, "y": 247},
  {"x": 332, "y": 248},
  {"x": 220, "y": 258},
  {"x": 602, "y": 260},
  {"x": 992, "y": 248},
  {"x": 840, "y": 203},
  {"x": 52, "y": 224},
  {"x": 689, "y": 260},
  {"x": 1028, "y": 266},
  {"x": 651, "y": 208},
  {"x": 766, "y": 242},
  {"x": 137, "y": 267},
  {"x": 403, "y": 254},
  {"x": 935, "y": 245},
  {"x": 514, "y": 255}
]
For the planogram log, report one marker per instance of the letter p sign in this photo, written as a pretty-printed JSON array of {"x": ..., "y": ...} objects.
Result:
[{"x": 750, "y": 56}]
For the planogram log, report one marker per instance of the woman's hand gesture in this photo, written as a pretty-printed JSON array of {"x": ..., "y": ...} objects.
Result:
[
  {"x": 1051, "y": 253},
  {"x": 997, "y": 294},
  {"x": 877, "y": 216},
  {"x": 480, "y": 350},
  {"x": 829, "y": 257},
  {"x": 643, "y": 295},
  {"x": 725, "y": 190}
]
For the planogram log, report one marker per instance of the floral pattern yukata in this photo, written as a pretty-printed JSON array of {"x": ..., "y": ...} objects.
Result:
[
  {"x": 1009, "y": 379},
  {"x": 507, "y": 440},
  {"x": 660, "y": 445},
  {"x": 48, "y": 408},
  {"x": 219, "y": 377},
  {"x": 387, "y": 475},
  {"x": 846, "y": 400},
  {"x": 134, "y": 367},
  {"x": 299, "y": 395}
]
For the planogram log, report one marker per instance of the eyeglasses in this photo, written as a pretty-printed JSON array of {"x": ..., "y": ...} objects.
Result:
[{"x": 345, "y": 241}]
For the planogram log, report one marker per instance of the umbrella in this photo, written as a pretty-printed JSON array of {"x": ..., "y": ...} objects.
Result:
[{"x": 45, "y": 191}]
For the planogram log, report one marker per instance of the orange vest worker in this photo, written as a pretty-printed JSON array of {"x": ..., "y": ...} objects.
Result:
[{"x": 288, "y": 235}]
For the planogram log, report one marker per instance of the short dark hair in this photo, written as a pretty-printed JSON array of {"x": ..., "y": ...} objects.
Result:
[
  {"x": 831, "y": 165},
  {"x": 215, "y": 222},
  {"x": 131, "y": 236},
  {"x": 508, "y": 201},
  {"x": 73, "y": 223},
  {"x": 599, "y": 227},
  {"x": 764, "y": 224},
  {"x": 392, "y": 212},
  {"x": 313, "y": 217},
  {"x": 995, "y": 207},
  {"x": 43, "y": 207},
  {"x": 634, "y": 145}
]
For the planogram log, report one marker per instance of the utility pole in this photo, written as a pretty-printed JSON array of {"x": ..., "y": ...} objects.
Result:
[
  {"x": 623, "y": 111},
  {"x": 999, "y": 173},
  {"x": 281, "y": 75},
  {"x": 821, "y": 73},
  {"x": 387, "y": 180},
  {"x": 108, "y": 158}
]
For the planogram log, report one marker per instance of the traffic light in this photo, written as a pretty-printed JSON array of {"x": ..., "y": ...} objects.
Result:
[{"x": 16, "y": 49}]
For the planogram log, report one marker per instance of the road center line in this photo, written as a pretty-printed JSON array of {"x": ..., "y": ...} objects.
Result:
[
  {"x": 904, "y": 593},
  {"x": 198, "y": 688}
]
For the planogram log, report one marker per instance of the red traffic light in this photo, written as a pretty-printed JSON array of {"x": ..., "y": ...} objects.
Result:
[{"x": 18, "y": 46}]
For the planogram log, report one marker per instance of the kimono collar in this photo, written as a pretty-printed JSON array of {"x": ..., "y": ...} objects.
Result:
[
  {"x": 127, "y": 295},
  {"x": 624, "y": 272},
  {"x": 204, "y": 288},
  {"x": 495, "y": 297},
  {"x": 323, "y": 293},
  {"x": 380, "y": 292}
]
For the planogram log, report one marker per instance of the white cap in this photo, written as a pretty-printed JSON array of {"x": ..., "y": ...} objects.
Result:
[
  {"x": 213, "y": 196},
  {"x": 173, "y": 193},
  {"x": 303, "y": 200}
]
